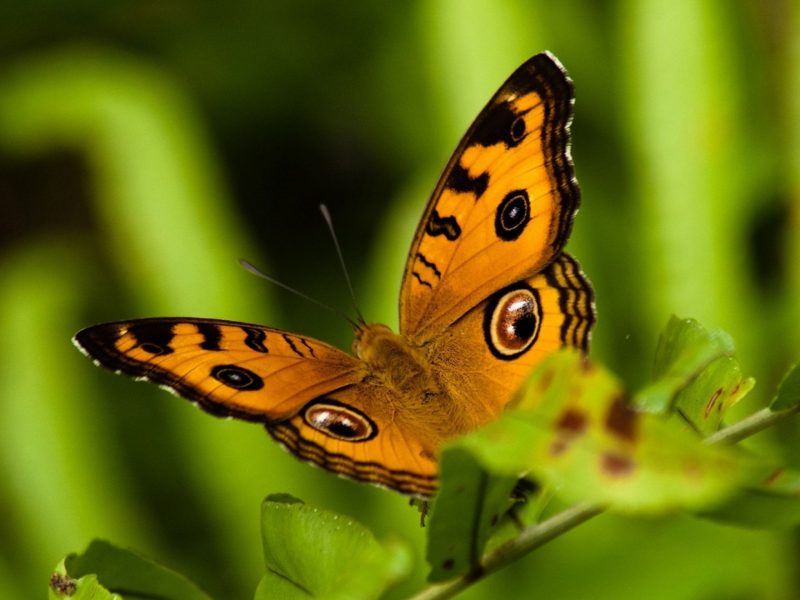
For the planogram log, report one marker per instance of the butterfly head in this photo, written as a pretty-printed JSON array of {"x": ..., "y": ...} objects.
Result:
[{"x": 367, "y": 336}]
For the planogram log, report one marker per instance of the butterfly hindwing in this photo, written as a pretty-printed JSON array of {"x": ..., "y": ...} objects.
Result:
[
  {"x": 388, "y": 449},
  {"x": 503, "y": 207},
  {"x": 514, "y": 329}
]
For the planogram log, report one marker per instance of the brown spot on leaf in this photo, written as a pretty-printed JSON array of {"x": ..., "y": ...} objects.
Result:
[
  {"x": 616, "y": 465},
  {"x": 62, "y": 585},
  {"x": 493, "y": 520},
  {"x": 546, "y": 380},
  {"x": 558, "y": 447},
  {"x": 570, "y": 425},
  {"x": 693, "y": 469},
  {"x": 571, "y": 422},
  {"x": 448, "y": 564},
  {"x": 773, "y": 477},
  {"x": 711, "y": 402},
  {"x": 622, "y": 420}
]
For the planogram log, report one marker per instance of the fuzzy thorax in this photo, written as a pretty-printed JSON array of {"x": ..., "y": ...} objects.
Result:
[{"x": 392, "y": 359}]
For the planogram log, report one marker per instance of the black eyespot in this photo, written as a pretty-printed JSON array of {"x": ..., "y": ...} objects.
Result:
[
  {"x": 237, "y": 378},
  {"x": 154, "y": 337},
  {"x": 513, "y": 214},
  {"x": 154, "y": 349},
  {"x": 518, "y": 129},
  {"x": 339, "y": 421},
  {"x": 512, "y": 321}
]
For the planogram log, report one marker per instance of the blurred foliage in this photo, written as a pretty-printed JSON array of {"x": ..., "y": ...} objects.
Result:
[{"x": 145, "y": 146}]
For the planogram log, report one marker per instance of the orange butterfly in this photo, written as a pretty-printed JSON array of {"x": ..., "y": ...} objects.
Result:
[{"x": 486, "y": 294}]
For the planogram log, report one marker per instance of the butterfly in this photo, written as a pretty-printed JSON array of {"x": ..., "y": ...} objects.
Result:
[{"x": 487, "y": 293}]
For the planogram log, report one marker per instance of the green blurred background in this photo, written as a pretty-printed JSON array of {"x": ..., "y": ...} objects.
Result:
[{"x": 146, "y": 146}]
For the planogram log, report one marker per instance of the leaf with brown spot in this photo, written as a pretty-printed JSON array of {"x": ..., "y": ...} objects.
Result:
[
  {"x": 581, "y": 438},
  {"x": 106, "y": 572},
  {"x": 706, "y": 399},
  {"x": 622, "y": 420},
  {"x": 685, "y": 348},
  {"x": 775, "y": 504}
]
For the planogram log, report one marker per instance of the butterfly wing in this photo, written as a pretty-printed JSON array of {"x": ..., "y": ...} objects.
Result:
[
  {"x": 485, "y": 295},
  {"x": 519, "y": 325},
  {"x": 314, "y": 399},
  {"x": 503, "y": 207},
  {"x": 390, "y": 452},
  {"x": 228, "y": 368}
]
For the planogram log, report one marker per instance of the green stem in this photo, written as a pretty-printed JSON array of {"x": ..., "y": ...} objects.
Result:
[
  {"x": 748, "y": 426},
  {"x": 537, "y": 535},
  {"x": 529, "y": 539}
]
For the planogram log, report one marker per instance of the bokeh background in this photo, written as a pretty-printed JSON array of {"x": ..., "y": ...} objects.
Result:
[{"x": 145, "y": 146}]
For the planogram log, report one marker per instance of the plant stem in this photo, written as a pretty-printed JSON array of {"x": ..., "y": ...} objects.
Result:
[
  {"x": 537, "y": 535},
  {"x": 748, "y": 426},
  {"x": 529, "y": 539}
]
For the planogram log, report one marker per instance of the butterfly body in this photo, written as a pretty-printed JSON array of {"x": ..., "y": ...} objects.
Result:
[
  {"x": 487, "y": 293},
  {"x": 412, "y": 378}
]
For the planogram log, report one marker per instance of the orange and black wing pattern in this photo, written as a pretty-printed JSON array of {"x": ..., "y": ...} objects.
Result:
[
  {"x": 228, "y": 368},
  {"x": 503, "y": 208},
  {"x": 519, "y": 326},
  {"x": 314, "y": 399}
]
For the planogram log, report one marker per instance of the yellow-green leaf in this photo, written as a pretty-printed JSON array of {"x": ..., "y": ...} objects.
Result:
[
  {"x": 573, "y": 429},
  {"x": 314, "y": 553},
  {"x": 684, "y": 349},
  {"x": 705, "y": 399},
  {"x": 775, "y": 504}
]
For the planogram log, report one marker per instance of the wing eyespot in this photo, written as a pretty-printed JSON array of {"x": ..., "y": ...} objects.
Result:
[
  {"x": 518, "y": 129},
  {"x": 339, "y": 421},
  {"x": 512, "y": 321},
  {"x": 237, "y": 378},
  {"x": 154, "y": 349},
  {"x": 513, "y": 215},
  {"x": 152, "y": 337}
]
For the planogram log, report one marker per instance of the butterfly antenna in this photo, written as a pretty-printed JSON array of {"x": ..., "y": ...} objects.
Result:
[
  {"x": 258, "y": 273},
  {"x": 327, "y": 216}
]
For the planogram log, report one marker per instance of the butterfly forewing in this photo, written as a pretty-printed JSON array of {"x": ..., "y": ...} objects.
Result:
[
  {"x": 504, "y": 205},
  {"x": 228, "y": 368}
]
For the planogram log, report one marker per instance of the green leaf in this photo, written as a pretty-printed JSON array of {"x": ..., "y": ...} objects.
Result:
[
  {"x": 573, "y": 429},
  {"x": 788, "y": 395},
  {"x": 274, "y": 586},
  {"x": 773, "y": 505},
  {"x": 469, "y": 508},
  {"x": 104, "y": 570},
  {"x": 684, "y": 349},
  {"x": 314, "y": 553},
  {"x": 705, "y": 399},
  {"x": 86, "y": 588}
]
